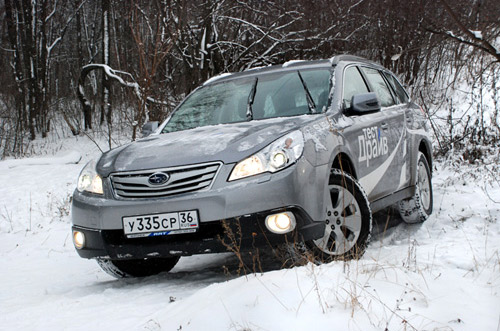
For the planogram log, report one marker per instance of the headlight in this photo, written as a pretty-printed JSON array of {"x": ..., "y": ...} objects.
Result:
[
  {"x": 278, "y": 155},
  {"x": 89, "y": 180}
]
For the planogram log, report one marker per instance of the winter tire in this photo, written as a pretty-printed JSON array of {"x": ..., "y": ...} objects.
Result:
[
  {"x": 418, "y": 208},
  {"x": 137, "y": 268},
  {"x": 348, "y": 221}
]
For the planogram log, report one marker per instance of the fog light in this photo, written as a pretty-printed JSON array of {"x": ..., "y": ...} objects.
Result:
[
  {"x": 281, "y": 222},
  {"x": 78, "y": 239}
]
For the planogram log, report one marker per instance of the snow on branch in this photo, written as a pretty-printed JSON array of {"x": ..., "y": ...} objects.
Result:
[
  {"x": 476, "y": 37},
  {"x": 52, "y": 13},
  {"x": 113, "y": 74},
  {"x": 477, "y": 34},
  {"x": 492, "y": 50},
  {"x": 62, "y": 32}
]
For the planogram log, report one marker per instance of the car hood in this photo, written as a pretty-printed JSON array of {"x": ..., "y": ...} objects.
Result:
[{"x": 228, "y": 143}]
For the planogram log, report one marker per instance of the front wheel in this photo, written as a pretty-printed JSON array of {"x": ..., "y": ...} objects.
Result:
[
  {"x": 348, "y": 221},
  {"x": 419, "y": 207},
  {"x": 137, "y": 268}
]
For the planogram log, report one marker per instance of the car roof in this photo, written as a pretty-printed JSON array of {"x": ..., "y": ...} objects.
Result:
[{"x": 293, "y": 65}]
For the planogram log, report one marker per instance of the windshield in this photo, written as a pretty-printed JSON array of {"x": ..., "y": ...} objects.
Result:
[{"x": 270, "y": 95}]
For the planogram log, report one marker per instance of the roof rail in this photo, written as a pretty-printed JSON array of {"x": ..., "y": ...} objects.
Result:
[{"x": 346, "y": 57}]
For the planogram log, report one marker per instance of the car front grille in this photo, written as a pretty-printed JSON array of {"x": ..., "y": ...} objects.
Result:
[{"x": 136, "y": 184}]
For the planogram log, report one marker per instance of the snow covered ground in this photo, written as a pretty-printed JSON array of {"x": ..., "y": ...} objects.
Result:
[{"x": 440, "y": 275}]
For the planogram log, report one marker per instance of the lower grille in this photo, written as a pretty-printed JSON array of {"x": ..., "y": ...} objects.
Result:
[{"x": 137, "y": 184}]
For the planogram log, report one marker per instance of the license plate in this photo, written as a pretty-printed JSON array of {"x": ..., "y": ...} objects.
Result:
[{"x": 160, "y": 224}]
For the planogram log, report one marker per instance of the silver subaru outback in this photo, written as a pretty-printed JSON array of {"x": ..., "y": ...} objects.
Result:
[{"x": 302, "y": 152}]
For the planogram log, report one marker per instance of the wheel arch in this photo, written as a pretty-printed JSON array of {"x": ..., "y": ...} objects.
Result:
[
  {"x": 343, "y": 162},
  {"x": 425, "y": 148}
]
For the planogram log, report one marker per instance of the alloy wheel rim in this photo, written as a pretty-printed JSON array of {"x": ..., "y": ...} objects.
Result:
[
  {"x": 343, "y": 223},
  {"x": 424, "y": 186}
]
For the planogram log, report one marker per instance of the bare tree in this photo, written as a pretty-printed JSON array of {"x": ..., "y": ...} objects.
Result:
[
  {"x": 106, "y": 100},
  {"x": 472, "y": 29},
  {"x": 168, "y": 47},
  {"x": 33, "y": 35}
]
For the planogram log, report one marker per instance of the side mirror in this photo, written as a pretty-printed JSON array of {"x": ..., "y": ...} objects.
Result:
[
  {"x": 365, "y": 103},
  {"x": 149, "y": 128}
]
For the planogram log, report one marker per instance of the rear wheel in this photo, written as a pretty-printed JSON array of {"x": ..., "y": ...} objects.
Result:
[
  {"x": 418, "y": 208},
  {"x": 348, "y": 221},
  {"x": 137, "y": 268}
]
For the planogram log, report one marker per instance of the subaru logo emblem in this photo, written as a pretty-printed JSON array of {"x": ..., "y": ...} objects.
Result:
[{"x": 158, "y": 178}]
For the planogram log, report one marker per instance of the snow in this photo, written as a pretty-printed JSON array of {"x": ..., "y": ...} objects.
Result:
[
  {"x": 67, "y": 158},
  {"x": 317, "y": 133},
  {"x": 213, "y": 79},
  {"x": 442, "y": 274},
  {"x": 105, "y": 18},
  {"x": 396, "y": 57},
  {"x": 112, "y": 73},
  {"x": 203, "y": 51},
  {"x": 255, "y": 68},
  {"x": 477, "y": 34},
  {"x": 247, "y": 144},
  {"x": 291, "y": 62}
]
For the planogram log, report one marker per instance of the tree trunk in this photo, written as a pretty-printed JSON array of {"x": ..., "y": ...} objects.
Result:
[{"x": 106, "y": 101}]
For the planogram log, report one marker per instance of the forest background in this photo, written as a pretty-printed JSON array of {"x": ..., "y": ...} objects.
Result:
[{"x": 155, "y": 52}]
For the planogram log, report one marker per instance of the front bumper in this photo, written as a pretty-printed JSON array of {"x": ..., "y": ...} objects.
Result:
[
  {"x": 242, "y": 204},
  {"x": 237, "y": 234}
]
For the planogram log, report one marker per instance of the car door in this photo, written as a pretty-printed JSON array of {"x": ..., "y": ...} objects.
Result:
[
  {"x": 407, "y": 108},
  {"x": 369, "y": 138},
  {"x": 390, "y": 172}
]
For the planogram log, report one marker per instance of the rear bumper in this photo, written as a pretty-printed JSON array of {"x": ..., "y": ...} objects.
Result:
[{"x": 236, "y": 234}]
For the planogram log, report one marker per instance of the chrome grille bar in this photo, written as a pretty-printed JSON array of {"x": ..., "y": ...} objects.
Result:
[{"x": 136, "y": 185}]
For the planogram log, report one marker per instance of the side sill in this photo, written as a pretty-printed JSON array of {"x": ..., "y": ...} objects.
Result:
[{"x": 391, "y": 199}]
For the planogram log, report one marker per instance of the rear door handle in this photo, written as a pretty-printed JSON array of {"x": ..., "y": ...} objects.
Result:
[{"x": 384, "y": 126}]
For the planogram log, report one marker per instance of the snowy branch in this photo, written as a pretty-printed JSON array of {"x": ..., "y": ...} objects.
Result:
[
  {"x": 64, "y": 29},
  {"x": 476, "y": 36},
  {"x": 52, "y": 13},
  {"x": 114, "y": 74}
]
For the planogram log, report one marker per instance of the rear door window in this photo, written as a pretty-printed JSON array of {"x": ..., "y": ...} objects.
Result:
[{"x": 398, "y": 89}]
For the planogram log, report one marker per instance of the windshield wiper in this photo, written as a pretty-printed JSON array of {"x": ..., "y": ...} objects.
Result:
[
  {"x": 251, "y": 98},
  {"x": 310, "y": 101}
]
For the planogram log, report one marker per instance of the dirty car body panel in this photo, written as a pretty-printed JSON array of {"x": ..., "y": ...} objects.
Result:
[{"x": 197, "y": 154}]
